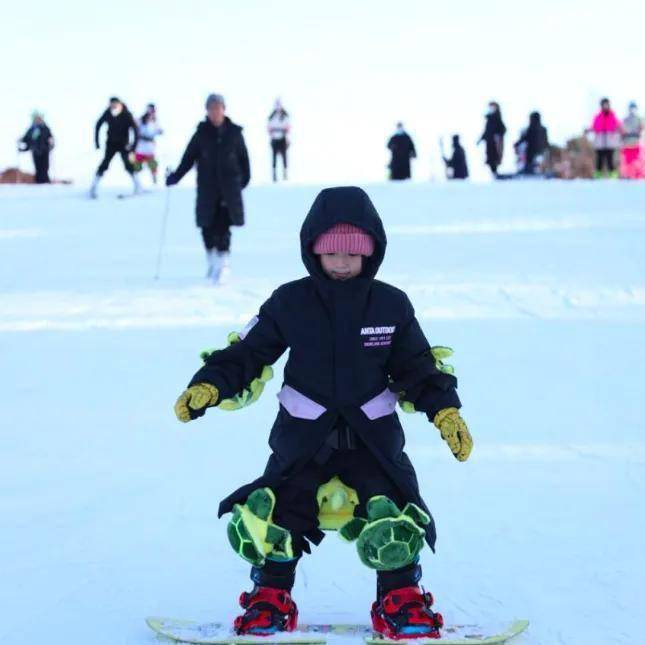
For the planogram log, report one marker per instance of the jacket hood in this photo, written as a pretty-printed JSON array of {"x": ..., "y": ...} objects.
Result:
[{"x": 332, "y": 206}]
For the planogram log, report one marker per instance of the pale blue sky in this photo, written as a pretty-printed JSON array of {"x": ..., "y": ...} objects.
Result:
[{"x": 347, "y": 71}]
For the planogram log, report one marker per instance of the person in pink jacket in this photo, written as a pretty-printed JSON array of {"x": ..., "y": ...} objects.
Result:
[{"x": 607, "y": 130}]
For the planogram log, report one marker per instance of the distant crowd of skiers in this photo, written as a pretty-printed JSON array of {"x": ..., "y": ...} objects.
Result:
[
  {"x": 134, "y": 140},
  {"x": 618, "y": 144},
  {"x": 218, "y": 151},
  {"x": 612, "y": 138}
]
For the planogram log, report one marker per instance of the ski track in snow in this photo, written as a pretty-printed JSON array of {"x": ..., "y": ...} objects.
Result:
[
  {"x": 540, "y": 289},
  {"x": 193, "y": 306}
]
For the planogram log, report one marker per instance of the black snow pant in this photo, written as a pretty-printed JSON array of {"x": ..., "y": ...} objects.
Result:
[
  {"x": 296, "y": 506},
  {"x": 605, "y": 156},
  {"x": 279, "y": 147},
  {"x": 112, "y": 149},
  {"x": 493, "y": 158},
  {"x": 217, "y": 235},
  {"x": 41, "y": 164}
]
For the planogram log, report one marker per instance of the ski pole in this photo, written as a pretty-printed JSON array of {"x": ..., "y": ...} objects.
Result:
[
  {"x": 18, "y": 151},
  {"x": 162, "y": 238}
]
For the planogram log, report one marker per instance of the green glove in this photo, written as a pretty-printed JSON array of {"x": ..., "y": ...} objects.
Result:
[
  {"x": 252, "y": 392},
  {"x": 439, "y": 353}
]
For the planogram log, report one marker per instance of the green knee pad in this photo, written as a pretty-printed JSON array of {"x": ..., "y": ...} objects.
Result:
[
  {"x": 252, "y": 533},
  {"x": 388, "y": 539}
]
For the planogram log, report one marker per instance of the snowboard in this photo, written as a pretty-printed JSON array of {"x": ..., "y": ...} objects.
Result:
[{"x": 186, "y": 631}]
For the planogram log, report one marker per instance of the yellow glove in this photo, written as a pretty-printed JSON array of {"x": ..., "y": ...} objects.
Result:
[
  {"x": 194, "y": 401},
  {"x": 454, "y": 432}
]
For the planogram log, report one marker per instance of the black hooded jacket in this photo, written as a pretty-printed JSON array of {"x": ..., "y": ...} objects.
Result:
[
  {"x": 535, "y": 137},
  {"x": 458, "y": 161},
  {"x": 223, "y": 170},
  {"x": 38, "y": 140},
  {"x": 119, "y": 127},
  {"x": 350, "y": 342},
  {"x": 493, "y": 135},
  {"x": 403, "y": 150}
]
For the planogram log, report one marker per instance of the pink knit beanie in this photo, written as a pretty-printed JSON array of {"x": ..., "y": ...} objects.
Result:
[{"x": 344, "y": 238}]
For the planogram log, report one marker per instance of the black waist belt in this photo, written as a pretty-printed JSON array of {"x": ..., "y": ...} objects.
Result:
[{"x": 341, "y": 438}]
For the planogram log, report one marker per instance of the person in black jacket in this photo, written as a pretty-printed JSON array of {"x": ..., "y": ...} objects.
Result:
[
  {"x": 402, "y": 148},
  {"x": 223, "y": 171},
  {"x": 535, "y": 141},
  {"x": 40, "y": 141},
  {"x": 120, "y": 123},
  {"x": 457, "y": 163},
  {"x": 494, "y": 137},
  {"x": 356, "y": 348}
]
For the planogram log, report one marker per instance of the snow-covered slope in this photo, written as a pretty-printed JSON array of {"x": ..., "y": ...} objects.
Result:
[{"x": 109, "y": 505}]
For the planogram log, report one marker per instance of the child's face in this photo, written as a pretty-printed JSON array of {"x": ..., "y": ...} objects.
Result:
[{"x": 341, "y": 266}]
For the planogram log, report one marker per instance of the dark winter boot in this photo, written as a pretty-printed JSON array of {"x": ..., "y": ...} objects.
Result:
[
  {"x": 406, "y": 613},
  {"x": 267, "y": 611}
]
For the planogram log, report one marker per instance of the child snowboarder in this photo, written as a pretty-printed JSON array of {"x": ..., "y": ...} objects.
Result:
[{"x": 356, "y": 349}]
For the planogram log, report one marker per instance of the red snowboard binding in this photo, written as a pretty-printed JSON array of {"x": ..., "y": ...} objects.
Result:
[
  {"x": 405, "y": 613},
  {"x": 267, "y": 611}
]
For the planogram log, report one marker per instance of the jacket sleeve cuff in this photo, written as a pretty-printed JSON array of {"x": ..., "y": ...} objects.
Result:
[{"x": 440, "y": 400}]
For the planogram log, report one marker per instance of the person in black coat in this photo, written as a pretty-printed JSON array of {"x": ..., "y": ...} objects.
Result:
[
  {"x": 120, "y": 125},
  {"x": 494, "y": 136},
  {"x": 355, "y": 347},
  {"x": 40, "y": 141},
  {"x": 223, "y": 171},
  {"x": 403, "y": 150},
  {"x": 457, "y": 163},
  {"x": 535, "y": 140}
]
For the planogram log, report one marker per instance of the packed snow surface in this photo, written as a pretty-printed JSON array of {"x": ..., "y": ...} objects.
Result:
[{"x": 109, "y": 504}]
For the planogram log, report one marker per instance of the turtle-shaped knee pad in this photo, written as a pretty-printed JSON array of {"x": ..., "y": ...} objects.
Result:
[
  {"x": 252, "y": 533},
  {"x": 388, "y": 539}
]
